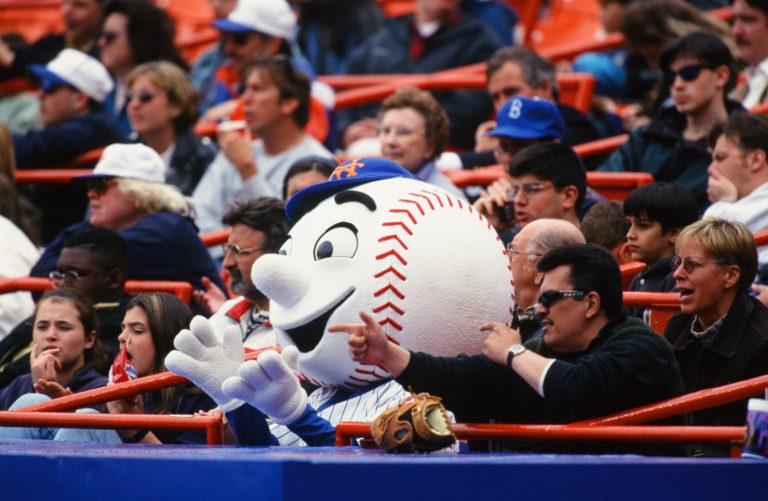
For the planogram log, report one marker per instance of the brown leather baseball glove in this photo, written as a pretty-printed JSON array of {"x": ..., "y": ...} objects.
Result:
[{"x": 418, "y": 424}]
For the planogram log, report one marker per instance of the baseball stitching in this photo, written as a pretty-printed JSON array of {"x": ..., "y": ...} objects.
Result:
[{"x": 393, "y": 258}]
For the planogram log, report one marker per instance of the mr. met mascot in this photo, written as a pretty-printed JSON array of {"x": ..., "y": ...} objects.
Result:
[{"x": 372, "y": 238}]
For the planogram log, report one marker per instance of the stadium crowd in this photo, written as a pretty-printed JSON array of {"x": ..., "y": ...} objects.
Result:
[{"x": 220, "y": 141}]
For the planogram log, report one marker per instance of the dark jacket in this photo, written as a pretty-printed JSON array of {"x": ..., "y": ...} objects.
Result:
[
  {"x": 191, "y": 156},
  {"x": 161, "y": 246},
  {"x": 738, "y": 351},
  {"x": 656, "y": 278},
  {"x": 57, "y": 144},
  {"x": 188, "y": 403},
  {"x": 390, "y": 49},
  {"x": 661, "y": 150},
  {"x": 62, "y": 205},
  {"x": 40, "y": 52},
  {"x": 85, "y": 379},
  {"x": 625, "y": 366},
  {"x": 15, "y": 347}
]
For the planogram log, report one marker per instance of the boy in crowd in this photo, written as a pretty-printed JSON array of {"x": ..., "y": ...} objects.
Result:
[
  {"x": 656, "y": 214},
  {"x": 605, "y": 225}
]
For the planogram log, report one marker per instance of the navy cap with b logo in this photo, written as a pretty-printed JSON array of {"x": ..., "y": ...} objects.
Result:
[{"x": 529, "y": 118}]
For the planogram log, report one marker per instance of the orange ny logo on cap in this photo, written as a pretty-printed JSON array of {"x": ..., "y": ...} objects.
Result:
[{"x": 347, "y": 170}]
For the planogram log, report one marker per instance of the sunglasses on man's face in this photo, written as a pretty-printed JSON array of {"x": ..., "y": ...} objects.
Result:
[
  {"x": 100, "y": 185},
  {"x": 687, "y": 73},
  {"x": 238, "y": 39},
  {"x": 550, "y": 297}
]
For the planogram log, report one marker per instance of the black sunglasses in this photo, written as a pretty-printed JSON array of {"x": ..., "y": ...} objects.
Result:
[
  {"x": 688, "y": 73},
  {"x": 109, "y": 36},
  {"x": 548, "y": 298},
  {"x": 239, "y": 39},
  {"x": 143, "y": 97},
  {"x": 99, "y": 184}
]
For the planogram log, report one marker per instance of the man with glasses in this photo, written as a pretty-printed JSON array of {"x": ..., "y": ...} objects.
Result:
[
  {"x": 276, "y": 100},
  {"x": 94, "y": 262},
  {"x": 673, "y": 147},
  {"x": 544, "y": 180},
  {"x": 592, "y": 360},
  {"x": 525, "y": 251},
  {"x": 258, "y": 227},
  {"x": 73, "y": 87}
]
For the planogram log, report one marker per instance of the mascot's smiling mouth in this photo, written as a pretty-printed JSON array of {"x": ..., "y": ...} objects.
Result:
[{"x": 307, "y": 336}]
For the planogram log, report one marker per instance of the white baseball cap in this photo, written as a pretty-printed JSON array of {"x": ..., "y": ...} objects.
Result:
[
  {"x": 78, "y": 69},
  {"x": 132, "y": 161},
  {"x": 270, "y": 17}
]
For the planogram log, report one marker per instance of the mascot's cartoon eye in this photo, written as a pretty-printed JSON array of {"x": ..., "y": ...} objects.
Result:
[
  {"x": 285, "y": 249},
  {"x": 340, "y": 240}
]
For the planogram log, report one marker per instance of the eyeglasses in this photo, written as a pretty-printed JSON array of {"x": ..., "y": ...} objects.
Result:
[
  {"x": 109, "y": 36},
  {"x": 529, "y": 189},
  {"x": 100, "y": 185},
  {"x": 688, "y": 73},
  {"x": 57, "y": 277},
  {"x": 143, "y": 97},
  {"x": 236, "y": 251},
  {"x": 400, "y": 131},
  {"x": 516, "y": 252},
  {"x": 548, "y": 298},
  {"x": 689, "y": 264}
]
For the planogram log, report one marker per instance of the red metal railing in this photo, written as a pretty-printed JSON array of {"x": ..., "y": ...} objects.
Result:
[
  {"x": 38, "y": 284},
  {"x": 346, "y": 431},
  {"x": 211, "y": 425}
]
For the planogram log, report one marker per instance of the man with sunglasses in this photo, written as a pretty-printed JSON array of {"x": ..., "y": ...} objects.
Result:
[
  {"x": 93, "y": 261},
  {"x": 73, "y": 87},
  {"x": 673, "y": 147},
  {"x": 592, "y": 360},
  {"x": 258, "y": 227}
]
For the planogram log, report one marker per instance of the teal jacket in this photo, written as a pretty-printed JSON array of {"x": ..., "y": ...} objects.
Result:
[{"x": 660, "y": 149}]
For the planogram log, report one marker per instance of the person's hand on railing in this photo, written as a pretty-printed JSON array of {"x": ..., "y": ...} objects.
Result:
[
  {"x": 210, "y": 299},
  {"x": 208, "y": 358},
  {"x": 228, "y": 434}
]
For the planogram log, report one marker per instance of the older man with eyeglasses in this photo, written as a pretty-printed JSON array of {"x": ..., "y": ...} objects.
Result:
[
  {"x": 259, "y": 227},
  {"x": 591, "y": 361}
]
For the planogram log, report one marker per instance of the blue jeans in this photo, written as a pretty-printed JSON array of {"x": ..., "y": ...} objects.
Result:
[{"x": 62, "y": 434}]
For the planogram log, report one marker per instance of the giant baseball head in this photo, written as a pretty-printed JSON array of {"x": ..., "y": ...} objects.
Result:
[{"x": 374, "y": 238}]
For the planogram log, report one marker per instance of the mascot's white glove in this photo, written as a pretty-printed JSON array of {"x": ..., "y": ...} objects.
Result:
[
  {"x": 207, "y": 359},
  {"x": 270, "y": 384}
]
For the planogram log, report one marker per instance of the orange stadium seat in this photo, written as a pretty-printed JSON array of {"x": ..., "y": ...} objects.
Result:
[
  {"x": 31, "y": 18},
  {"x": 395, "y": 8},
  {"x": 628, "y": 272}
]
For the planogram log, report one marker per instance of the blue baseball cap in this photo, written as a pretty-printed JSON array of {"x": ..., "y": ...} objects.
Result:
[
  {"x": 528, "y": 118},
  {"x": 351, "y": 173}
]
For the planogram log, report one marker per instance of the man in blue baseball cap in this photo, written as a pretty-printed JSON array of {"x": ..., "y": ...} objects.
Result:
[
  {"x": 73, "y": 87},
  {"x": 523, "y": 121}
]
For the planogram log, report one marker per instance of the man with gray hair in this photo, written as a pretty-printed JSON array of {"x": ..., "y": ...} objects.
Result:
[{"x": 526, "y": 249}]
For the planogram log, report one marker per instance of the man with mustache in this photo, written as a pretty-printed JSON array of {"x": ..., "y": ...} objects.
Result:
[
  {"x": 750, "y": 30},
  {"x": 259, "y": 227}
]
